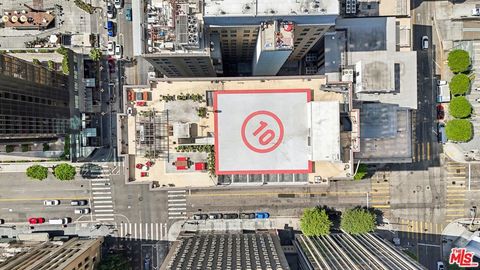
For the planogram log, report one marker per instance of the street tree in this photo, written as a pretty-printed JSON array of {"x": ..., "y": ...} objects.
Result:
[
  {"x": 357, "y": 221},
  {"x": 315, "y": 222},
  {"x": 460, "y": 107},
  {"x": 459, "y": 84},
  {"x": 459, "y": 61},
  {"x": 459, "y": 130},
  {"x": 37, "y": 172},
  {"x": 95, "y": 54},
  {"x": 64, "y": 172}
]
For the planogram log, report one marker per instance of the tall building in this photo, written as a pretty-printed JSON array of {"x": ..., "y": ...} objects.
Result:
[
  {"x": 344, "y": 251},
  {"x": 74, "y": 254},
  {"x": 259, "y": 250},
  {"x": 34, "y": 102},
  {"x": 186, "y": 39}
]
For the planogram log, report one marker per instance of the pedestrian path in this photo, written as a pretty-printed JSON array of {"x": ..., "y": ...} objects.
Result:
[
  {"x": 421, "y": 230},
  {"x": 456, "y": 190},
  {"x": 380, "y": 192},
  {"x": 102, "y": 199},
  {"x": 177, "y": 204},
  {"x": 143, "y": 231}
]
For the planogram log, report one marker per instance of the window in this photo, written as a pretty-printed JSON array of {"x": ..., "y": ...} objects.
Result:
[{"x": 306, "y": 30}]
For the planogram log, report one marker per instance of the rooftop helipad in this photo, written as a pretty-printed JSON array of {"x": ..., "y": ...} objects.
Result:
[{"x": 261, "y": 131}]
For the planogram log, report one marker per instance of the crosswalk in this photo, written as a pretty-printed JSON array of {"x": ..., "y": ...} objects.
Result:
[
  {"x": 421, "y": 230},
  {"x": 143, "y": 231},
  {"x": 421, "y": 152},
  {"x": 456, "y": 190},
  {"x": 380, "y": 191},
  {"x": 102, "y": 199},
  {"x": 177, "y": 204}
]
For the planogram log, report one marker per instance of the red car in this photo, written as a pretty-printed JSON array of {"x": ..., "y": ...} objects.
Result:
[
  {"x": 36, "y": 220},
  {"x": 440, "y": 112},
  {"x": 111, "y": 65}
]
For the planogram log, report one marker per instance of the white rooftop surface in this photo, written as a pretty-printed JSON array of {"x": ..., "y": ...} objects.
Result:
[
  {"x": 249, "y": 137},
  {"x": 325, "y": 130},
  {"x": 270, "y": 7}
]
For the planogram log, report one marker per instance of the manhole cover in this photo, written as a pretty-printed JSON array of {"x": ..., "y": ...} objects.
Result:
[{"x": 427, "y": 187}]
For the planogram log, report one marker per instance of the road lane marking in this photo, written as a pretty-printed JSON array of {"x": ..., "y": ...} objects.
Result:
[
  {"x": 97, "y": 202},
  {"x": 135, "y": 230},
  {"x": 103, "y": 210},
  {"x": 276, "y": 193},
  {"x": 105, "y": 219},
  {"x": 156, "y": 231}
]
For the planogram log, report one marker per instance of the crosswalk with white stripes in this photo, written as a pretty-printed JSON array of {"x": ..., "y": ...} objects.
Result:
[
  {"x": 102, "y": 200},
  {"x": 177, "y": 204},
  {"x": 143, "y": 231}
]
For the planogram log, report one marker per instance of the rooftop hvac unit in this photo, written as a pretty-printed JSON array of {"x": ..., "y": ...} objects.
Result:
[
  {"x": 192, "y": 20},
  {"x": 181, "y": 29},
  {"x": 351, "y": 7}
]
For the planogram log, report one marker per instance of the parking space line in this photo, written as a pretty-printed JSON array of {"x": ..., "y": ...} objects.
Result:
[
  {"x": 140, "y": 230},
  {"x": 135, "y": 230},
  {"x": 152, "y": 235},
  {"x": 121, "y": 231},
  {"x": 130, "y": 230},
  {"x": 156, "y": 231},
  {"x": 166, "y": 231}
]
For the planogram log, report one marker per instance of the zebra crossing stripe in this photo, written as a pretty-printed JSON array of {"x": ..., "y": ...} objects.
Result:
[
  {"x": 97, "y": 202},
  {"x": 177, "y": 200},
  {"x": 103, "y": 206}
]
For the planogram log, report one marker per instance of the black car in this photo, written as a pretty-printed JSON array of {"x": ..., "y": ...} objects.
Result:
[
  {"x": 230, "y": 216},
  {"x": 79, "y": 202},
  {"x": 200, "y": 216},
  {"x": 247, "y": 216}
]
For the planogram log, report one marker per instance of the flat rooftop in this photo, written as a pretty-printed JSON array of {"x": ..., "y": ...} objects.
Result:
[
  {"x": 261, "y": 131},
  {"x": 270, "y": 7}
]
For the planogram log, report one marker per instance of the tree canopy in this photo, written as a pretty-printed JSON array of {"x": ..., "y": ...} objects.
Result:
[
  {"x": 459, "y": 84},
  {"x": 37, "y": 172},
  {"x": 315, "y": 222},
  {"x": 459, "y": 61},
  {"x": 460, "y": 107},
  {"x": 95, "y": 54},
  {"x": 459, "y": 130},
  {"x": 64, "y": 171},
  {"x": 361, "y": 172},
  {"x": 357, "y": 221}
]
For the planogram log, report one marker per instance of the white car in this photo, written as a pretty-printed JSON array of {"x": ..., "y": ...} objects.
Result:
[
  {"x": 51, "y": 202},
  {"x": 439, "y": 82},
  {"x": 475, "y": 11},
  {"x": 111, "y": 48},
  {"x": 82, "y": 211},
  {"x": 111, "y": 11},
  {"x": 118, "y": 51},
  {"x": 425, "y": 43},
  {"x": 118, "y": 3},
  {"x": 129, "y": 111},
  {"x": 440, "y": 265}
]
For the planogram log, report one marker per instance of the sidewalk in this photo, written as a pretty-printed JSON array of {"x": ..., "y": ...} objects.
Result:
[
  {"x": 22, "y": 167},
  {"x": 456, "y": 153},
  {"x": 231, "y": 225}
]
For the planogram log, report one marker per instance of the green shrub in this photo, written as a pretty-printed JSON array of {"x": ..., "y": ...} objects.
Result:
[
  {"x": 459, "y": 130},
  {"x": 37, "y": 172},
  {"x": 202, "y": 112},
  {"x": 51, "y": 65},
  {"x": 36, "y": 61},
  {"x": 459, "y": 84},
  {"x": 84, "y": 6},
  {"x": 357, "y": 221},
  {"x": 25, "y": 147},
  {"x": 315, "y": 222},
  {"x": 95, "y": 54},
  {"x": 64, "y": 172},
  {"x": 460, "y": 107},
  {"x": 9, "y": 148},
  {"x": 458, "y": 61},
  {"x": 361, "y": 172},
  {"x": 46, "y": 147},
  {"x": 65, "y": 66}
]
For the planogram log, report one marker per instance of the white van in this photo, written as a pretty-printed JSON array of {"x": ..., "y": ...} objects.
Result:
[{"x": 59, "y": 221}]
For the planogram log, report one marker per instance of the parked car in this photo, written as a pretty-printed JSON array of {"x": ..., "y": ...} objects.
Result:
[
  {"x": 247, "y": 215},
  {"x": 128, "y": 14},
  {"x": 424, "y": 42},
  {"x": 36, "y": 220},
  {"x": 475, "y": 11},
  {"x": 111, "y": 28},
  {"x": 440, "y": 82},
  {"x": 440, "y": 112},
  {"x": 118, "y": 51},
  {"x": 118, "y": 3},
  {"x": 230, "y": 216},
  {"x": 60, "y": 221},
  {"x": 111, "y": 11},
  {"x": 215, "y": 216},
  {"x": 79, "y": 202},
  {"x": 200, "y": 216},
  {"x": 442, "y": 135},
  {"x": 82, "y": 211},
  {"x": 111, "y": 65},
  {"x": 262, "y": 215},
  {"x": 2, "y": 221},
  {"x": 51, "y": 202},
  {"x": 440, "y": 266},
  {"x": 111, "y": 47}
]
